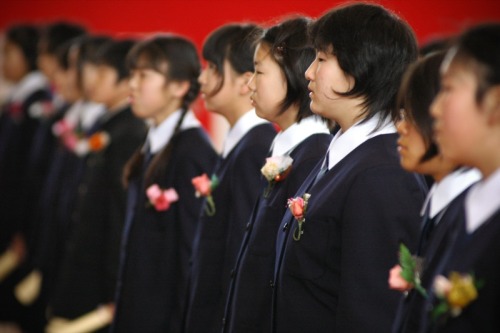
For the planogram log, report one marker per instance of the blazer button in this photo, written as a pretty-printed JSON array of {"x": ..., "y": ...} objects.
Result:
[
  {"x": 271, "y": 283},
  {"x": 285, "y": 227}
]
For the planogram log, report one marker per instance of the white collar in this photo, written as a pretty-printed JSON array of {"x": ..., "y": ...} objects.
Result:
[
  {"x": 29, "y": 84},
  {"x": 286, "y": 140},
  {"x": 91, "y": 112},
  {"x": 159, "y": 136},
  {"x": 73, "y": 114},
  {"x": 482, "y": 201},
  {"x": 344, "y": 143},
  {"x": 450, "y": 187},
  {"x": 246, "y": 122}
]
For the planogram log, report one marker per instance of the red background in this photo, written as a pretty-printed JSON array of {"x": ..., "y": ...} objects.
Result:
[{"x": 196, "y": 18}]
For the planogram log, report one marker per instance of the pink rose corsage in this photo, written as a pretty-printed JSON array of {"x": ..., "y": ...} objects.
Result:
[
  {"x": 203, "y": 188},
  {"x": 298, "y": 207},
  {"x": 161, "y": 199}
]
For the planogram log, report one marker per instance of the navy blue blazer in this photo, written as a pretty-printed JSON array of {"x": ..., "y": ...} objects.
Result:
[
  {"x": 88, "y": 272},
  {"x": 412, "y": 313},
  {"x": 219, "y": 237},
  {"x": 334, "y": 279},
  {"x": 479, "y": 254},
  {"x": 17, "y": 129},
  {"x": 248, "y": 305},
  {"x": 156, "y": 245}
]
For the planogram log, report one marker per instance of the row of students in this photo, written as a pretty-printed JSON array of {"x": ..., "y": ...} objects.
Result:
[
  {"x": 460, "y": 233},
  {"x": 305, "y": 243}
]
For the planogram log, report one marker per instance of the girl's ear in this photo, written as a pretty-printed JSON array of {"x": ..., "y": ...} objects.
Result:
[
  {"x": 491, "y": 105},
  {"x": 179, "y": 88},
  {"x": 245, "y": 78}
]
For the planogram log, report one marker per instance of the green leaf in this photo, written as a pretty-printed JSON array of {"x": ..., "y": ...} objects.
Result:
[
  {"x": 440, "y": 310},
  {"x": 407, "y": 263},
  {"x": 214, "y": 182}
]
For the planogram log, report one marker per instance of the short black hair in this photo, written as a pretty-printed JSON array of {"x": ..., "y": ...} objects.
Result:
[
  {"x": 419, "y": 87},
  {"x": 479, "y": 47},
  {"x": 56, "y": 34},
  {"x": 63, "y": 51},
  {"x": 291, "y": 49},
  {"x": 435, "y": 45},
  {"x": 372, "y": 45},
  {"x": 173, "y": 56},
  {"x": 234, "y": 42},
  {"x": 114, "y": 54},
  {"x": 26, "y": 37},
  {"x": 87, "y": 48}
]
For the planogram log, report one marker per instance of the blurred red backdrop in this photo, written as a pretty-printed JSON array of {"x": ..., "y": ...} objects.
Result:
[{"x": 196, "y": 18}]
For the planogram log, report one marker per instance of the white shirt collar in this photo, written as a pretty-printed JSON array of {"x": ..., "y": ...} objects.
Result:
[
  {"x": 482, "y": 201},
  {"x": 450, "y": 187},
  {"x": 344, "y": 143},
  {"x": 246, "y": 122},
  {"x": 159, "y": 136},
  {"x": 29, "y": 84},
  {"x": 286, "y": 140},
  {"x": 91, "y": 112},
  {"x": 73, "y": 114}
]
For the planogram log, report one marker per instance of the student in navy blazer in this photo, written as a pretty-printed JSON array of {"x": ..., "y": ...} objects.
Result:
[
  {"x": 161, "y": 211},
  {"x": 419, "y": 153},
  {"x": 333, "y": 256},
  {"x": 17, "y": 129},
  {"x": 467, "y": 128},
  {"x": 89, "y": 267},
  {"x": 280, "y": 95},
  {"x": 228, "y": 52}
]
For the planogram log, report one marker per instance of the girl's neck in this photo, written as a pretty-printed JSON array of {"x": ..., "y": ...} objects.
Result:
[
  {"x": 287, "y": 118},
  {"x": 166, "y": 112},
  {"x": 117, "y": 104},
  {"x": 235, "y": 112}
]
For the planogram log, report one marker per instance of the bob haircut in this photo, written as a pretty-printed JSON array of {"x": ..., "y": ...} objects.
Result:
[
  {"x": 173, "y": 56},
  {"x": 420, "y": 85},
  {"x": 372, "y": 45},
  {"x": 290, "y": 48},
  {"x": 234, "y": 43},
  {"x": 478, "y": 49},
  {"x": 26, "y": 38},
  {"x": 114, "y": 54}
]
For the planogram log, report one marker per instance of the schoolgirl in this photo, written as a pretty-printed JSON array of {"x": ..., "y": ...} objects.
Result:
[
  {"x": 344, "y": 226},
  {"x": 228, "y": 52},
  {"x": 280, "y": 95},
  {"x": 467, "y": 129},
  {"x": 419, "y": 153},
  {"x": 162, "y": 211}
]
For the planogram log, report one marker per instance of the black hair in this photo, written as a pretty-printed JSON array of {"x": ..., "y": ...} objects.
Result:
[
  {"x": 373, "y": 46},
  {"x": 435, "y": 45},
  {"x": 479, "y": 48},
  {"x": 56, "y": 34},
  {"x": 26, "y": 38},
  {"x": 291, "y": 49},
  {"x": 114, "y": 54},
  {"x": 234, "y": 42},
  {"x": 177, "y": 59},
  {"x": 419, "y": 87},
  {"x": 63, "y": 51},
  {"x": 87, "y": 48}
]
